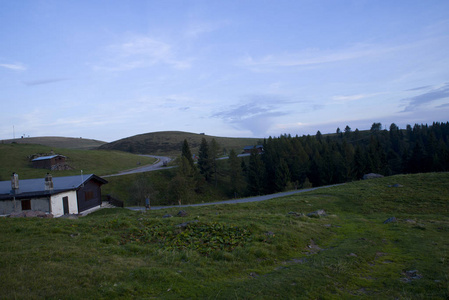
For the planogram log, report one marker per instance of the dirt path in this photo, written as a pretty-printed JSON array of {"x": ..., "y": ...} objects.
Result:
[{"x": 234, "y": 201}]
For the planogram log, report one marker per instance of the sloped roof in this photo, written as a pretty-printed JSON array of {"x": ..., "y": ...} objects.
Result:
[
  {"x": 46, "y": 157},
  {"x": 35, "y": 187}
]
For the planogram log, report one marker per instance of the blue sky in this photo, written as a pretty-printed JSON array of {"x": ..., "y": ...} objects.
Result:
[{"x": 112, "y": 69}]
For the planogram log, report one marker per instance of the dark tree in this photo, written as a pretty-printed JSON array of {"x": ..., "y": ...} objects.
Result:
[
  {"x": 235, "y": 173},
  {"x": 256, "y": 173},
  {"x": 187, "y": 153},
  {"x": 205, "y": 162}
]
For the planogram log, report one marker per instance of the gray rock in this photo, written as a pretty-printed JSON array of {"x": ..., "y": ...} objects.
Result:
[
  {"x": 390, "y": 220},
  {"x": 396, "y": 185},
  {"x": 167, "y": 216},
  {"x": 182, "y": 213},
  {"x": 185, "y": 224},
  {"x": 317, "y": 214},
  {"x": 371, "y": 176}
]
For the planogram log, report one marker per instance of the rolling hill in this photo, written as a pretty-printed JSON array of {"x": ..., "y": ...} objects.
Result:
[
  {"x": 169, "y": 143},
  {"x": 58, "y": 142}
]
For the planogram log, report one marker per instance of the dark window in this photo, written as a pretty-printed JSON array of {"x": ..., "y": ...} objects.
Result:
[
  {"x": 26, "y": 204},
  {"x": 88, "y": 195}
]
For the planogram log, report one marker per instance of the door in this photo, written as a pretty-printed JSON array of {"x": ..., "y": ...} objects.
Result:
[{"x": 65, "y": 205}]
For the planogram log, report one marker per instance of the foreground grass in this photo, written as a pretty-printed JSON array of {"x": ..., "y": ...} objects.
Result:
[
  {"x": 15, "y": 158},
  {"x": 256, "y": 250}
]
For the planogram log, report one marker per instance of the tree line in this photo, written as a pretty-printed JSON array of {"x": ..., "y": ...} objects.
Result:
[{"x": 304, "y": 161}]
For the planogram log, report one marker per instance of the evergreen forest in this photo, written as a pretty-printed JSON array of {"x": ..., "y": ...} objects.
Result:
[{"x": 309, "y": 161}]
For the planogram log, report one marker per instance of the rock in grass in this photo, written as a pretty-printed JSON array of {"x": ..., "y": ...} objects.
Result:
[
  {"x": 182, "y": 213},
  {"x": 390, "y": 220},
  {"x": 317, "y": 214},
  {"x": 167, "y": 216},
  {"x": 396, "y": 185},
  {"x": 371, "y": 176},
  {"x": 185, "y": 224}
]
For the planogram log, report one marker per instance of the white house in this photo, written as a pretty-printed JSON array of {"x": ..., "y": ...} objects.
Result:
[{"x": 58, "y": 196}]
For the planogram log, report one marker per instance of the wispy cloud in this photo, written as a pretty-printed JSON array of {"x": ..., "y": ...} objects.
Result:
[
  {"x": 318, "y": 56},
  {"x": 140, "y": 52},
  {"x": 44, "y": 81},
  {"x": 434, "y": 94},
  {"x": 355, "y": 97},
  {"x": 257, "y": 115},
  {"x": 14, "y": 67},
  {"x": 197, "y": 29}
]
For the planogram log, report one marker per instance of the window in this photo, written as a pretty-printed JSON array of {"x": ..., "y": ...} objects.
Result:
[
  {"x": 88, "y": 195},
  {"x": 26, "y": 204}
]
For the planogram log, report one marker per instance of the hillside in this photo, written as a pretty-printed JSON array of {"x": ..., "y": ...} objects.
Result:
[
  {"x": 169, "y": 143},
  {"x": 58, "y": 142},
  {"x": 16, "y": 158},
  {"x": 273, "y": 249}
]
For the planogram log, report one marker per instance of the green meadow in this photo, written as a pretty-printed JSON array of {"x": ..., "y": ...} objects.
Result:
[
  {"x": 16, "y": 158},
  {"x": 261, "y": 250}
]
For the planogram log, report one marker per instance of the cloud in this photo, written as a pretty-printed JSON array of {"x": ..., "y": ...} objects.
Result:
[
  {"x": 196, "y": 29},
  {"x": 141, "y": 52},
  {"x": 14, "y": 67},
  {"x": 428, "y": 97},
  {"x": 419, "y": 88},
  {"x": 257, "y": 115},
  {"x": 44, "y": 81},
  {"x": 317, "y": 56},
  {"x": 353, "y": 97}
]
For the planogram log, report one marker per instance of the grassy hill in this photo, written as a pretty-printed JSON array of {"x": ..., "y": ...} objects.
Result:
[
  {"x": 169, "y": 143},
  {"x": 16, "y": 158},
  {"x": 58, "y": 142},
  {"x": 264, "y": 250}
]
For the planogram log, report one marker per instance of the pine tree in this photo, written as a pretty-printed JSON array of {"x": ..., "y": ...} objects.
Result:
[
  {"x": 187, "y": 153},
  {"x": 235, "y": 173},
  {"x": 255, "y": 174},
  {"x": 205, "y": 161},
  {"x": 282, "y": 175}
]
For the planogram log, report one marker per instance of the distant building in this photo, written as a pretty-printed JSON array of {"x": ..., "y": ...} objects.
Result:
[
  {"x": 51, "y": 162},
  {"x": 248, "y": 149},
  {"x": 58, "y": 196}
]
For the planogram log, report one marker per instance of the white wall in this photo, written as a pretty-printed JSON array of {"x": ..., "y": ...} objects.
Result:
[{"x": 57, "y": 208}]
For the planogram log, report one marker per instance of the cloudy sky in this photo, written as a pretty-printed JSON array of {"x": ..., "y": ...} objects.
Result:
[{"x": 112, "y": 69}]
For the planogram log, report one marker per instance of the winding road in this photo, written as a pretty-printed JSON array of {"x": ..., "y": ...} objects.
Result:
[
  {"x": 234, "y": 201},
  {"x": 159, "y": 164}
]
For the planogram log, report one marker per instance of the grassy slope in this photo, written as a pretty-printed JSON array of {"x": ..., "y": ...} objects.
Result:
[
  {"x": 59, "y": 142},
  {"x": 170, "y": 142},
  {"x": 14, "y": 158},
  {"x": 105, "y": 255}
]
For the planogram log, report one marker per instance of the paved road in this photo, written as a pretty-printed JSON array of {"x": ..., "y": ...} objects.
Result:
[
  {"x": 159, "y": 164},
  {"x": 242, "y": 200}
]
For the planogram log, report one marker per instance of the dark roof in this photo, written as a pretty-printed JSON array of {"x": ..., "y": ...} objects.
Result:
[
  {"x": 36, "y": 187},
  {"x": 46, "y": 157},
  {"x": 253, "y": 147}
]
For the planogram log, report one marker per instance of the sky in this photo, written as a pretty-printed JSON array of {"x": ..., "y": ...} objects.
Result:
[{"x": 108, "y": 70}]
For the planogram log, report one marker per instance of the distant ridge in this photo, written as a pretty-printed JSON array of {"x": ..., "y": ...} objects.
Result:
[
  {"x": 58, "y": 142},
  {"x": 169, "y": 143}
]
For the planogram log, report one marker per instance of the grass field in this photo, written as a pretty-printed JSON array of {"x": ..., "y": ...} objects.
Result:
[
  {"x": 15, "y": 158},
  {"x": 259, "y": 250},
  {"x": 58, "y": 142}
]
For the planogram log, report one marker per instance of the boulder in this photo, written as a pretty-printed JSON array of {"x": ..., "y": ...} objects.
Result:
[
  {"x": 182, "y": 213},
  {"x": 390, "y": 220},
  {"x": 317, "y": 214},
  {"x": 371, "y": 176}
]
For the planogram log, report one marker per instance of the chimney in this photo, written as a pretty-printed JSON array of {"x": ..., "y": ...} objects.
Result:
[
  {"x": 48, "y": 182},
  {"x": 15, "y": 183}
]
